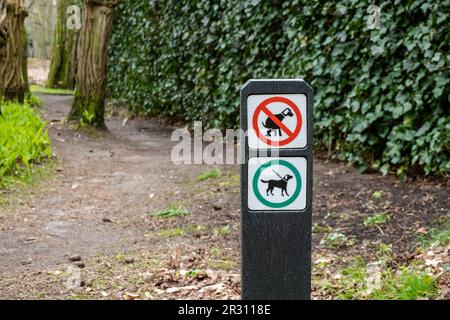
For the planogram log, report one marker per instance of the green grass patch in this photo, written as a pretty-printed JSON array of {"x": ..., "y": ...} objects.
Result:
[
  {"x": 79, "y": 296},
  {"x": 171, "y": 212},
  {"x": 384, "y": 251},
  {"x": 42, "y": 90},
  {"x": 435, "y": 237},
  {"x": 232, "y": 180},
  {"x": 406, "y": 283},
  {"x": 376, "y": 219},
  {"x": 24, "y": 141},
  {"x": 34, "y": 101},
  {"x": 336, "y": 240},
  {"x": 208, "y": 175},
  {"x": 226, "y": 265},
  {"x": 319, "y": 228},
  {"x": 222, "y": 231},
  {"x": 13, "y": 188},
  {"x": 215, "y": 252},
  {"x": 170, "y": 233},
  {"x": 377, "y": 194},
  {"x": 196, "y": 273}
]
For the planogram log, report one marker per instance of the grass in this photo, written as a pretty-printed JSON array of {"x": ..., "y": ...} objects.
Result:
[
  {"x": 34, "y": 101},
  {"x": 226, "y": 265},
  {"x": 79, "y": 296},
  {"x": 357, "y": 282},
  {"x": 222, "y": 231},
  {"x": 435, "y": 237},
  {"x": 192, "y": 229},
  {"x": 408, "y": 283},
  {"x": 170, "y": 233},
  {"x": 318, "y": 228},
  {"x": 208, "y": 175},
  {"x": 24, "y": 141},
  {"x": 384, "y": 251},
  {"x": 377, "y": 194},
  {"x": 382, "y": 282},
  {"x": 215, "y": 252},
  {"x": 171, "y": 212},
  {"x": 336, "y": 240},
  {"x": 232, "y": 180},
  {"x": 42, "y": 90},
  {"x": 120, "y": 257},
  {"x": 15, "y": 188},
  {"x": 376, "y": 219},
  {"x": 196, "y": 273}
]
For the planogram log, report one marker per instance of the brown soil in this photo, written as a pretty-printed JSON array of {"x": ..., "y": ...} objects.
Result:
[{"x": 107, "y": 186}]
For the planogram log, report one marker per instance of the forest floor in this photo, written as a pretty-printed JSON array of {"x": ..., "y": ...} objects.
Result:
[{"x": 96, "y": 217}]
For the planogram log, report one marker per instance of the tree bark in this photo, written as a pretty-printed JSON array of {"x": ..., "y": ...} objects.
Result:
[
  {"x": 89, "y": 103},
  {"x": 63, "y": 62},
  {"x": 25, "y": 59},
  {"x": 12, "y": 77}
]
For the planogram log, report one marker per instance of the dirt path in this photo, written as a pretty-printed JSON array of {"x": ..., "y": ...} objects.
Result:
[
  {"x": 110, "y": 177},
  {"x": 100, "y": 207}
]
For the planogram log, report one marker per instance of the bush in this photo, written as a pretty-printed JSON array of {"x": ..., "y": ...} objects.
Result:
[
  {"x": 23, "y": 139},
  {"x": 381, "y": 96}
]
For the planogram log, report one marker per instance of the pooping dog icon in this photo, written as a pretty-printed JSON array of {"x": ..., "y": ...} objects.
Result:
[
  {"x": 282, "y": 184},
  {"x": 270, "y": 125}
]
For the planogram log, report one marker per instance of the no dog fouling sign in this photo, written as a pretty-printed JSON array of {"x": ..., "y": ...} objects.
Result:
[{"x": 277, "y": 121}]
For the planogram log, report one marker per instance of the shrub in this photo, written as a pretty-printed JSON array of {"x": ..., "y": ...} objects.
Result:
[
  {"x": 23, "y": 139},
  {"x": 381, "y": 96}
]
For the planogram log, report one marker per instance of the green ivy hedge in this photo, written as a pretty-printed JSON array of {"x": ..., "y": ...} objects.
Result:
[{"x": 381, "y": 96}]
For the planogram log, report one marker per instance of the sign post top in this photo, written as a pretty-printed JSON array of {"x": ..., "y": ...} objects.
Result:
[{"x": 273, "y": 86}]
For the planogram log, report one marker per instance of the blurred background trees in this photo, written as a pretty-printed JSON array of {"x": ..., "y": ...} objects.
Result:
[
  {"x": 40, "y": 26},
  {"x": 64, "y": 49}
]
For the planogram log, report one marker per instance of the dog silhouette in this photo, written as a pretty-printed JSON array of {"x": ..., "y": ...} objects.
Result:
[
  {"x": 270, "y": 125},
  {"x": 282, "y": 184}
]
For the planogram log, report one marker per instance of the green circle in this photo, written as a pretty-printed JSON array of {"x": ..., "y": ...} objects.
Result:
[{"x": 297, "y": 189}]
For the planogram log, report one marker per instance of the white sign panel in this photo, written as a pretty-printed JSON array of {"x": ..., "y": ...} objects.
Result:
[
  {"x": 277, "y": 183},
  {"x": 277, "y": 121}
]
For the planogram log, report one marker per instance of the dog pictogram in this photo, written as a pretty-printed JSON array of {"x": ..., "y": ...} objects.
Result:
[
  {"x": 276, "y": 121},
  {"x": 271, "y": 125},
  {"x": 281, "y": 184}
]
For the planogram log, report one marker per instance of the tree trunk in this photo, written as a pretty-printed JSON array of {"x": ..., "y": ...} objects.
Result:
[
  {"x": 25, "y": 59},
  {"x": 89, "y": 103},
  {"x": 12, "y": 77},
  {"x": 63, "y": 64}
]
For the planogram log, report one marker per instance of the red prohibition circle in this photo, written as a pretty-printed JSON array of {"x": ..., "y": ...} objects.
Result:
[{"x": 263, "y": 106}]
